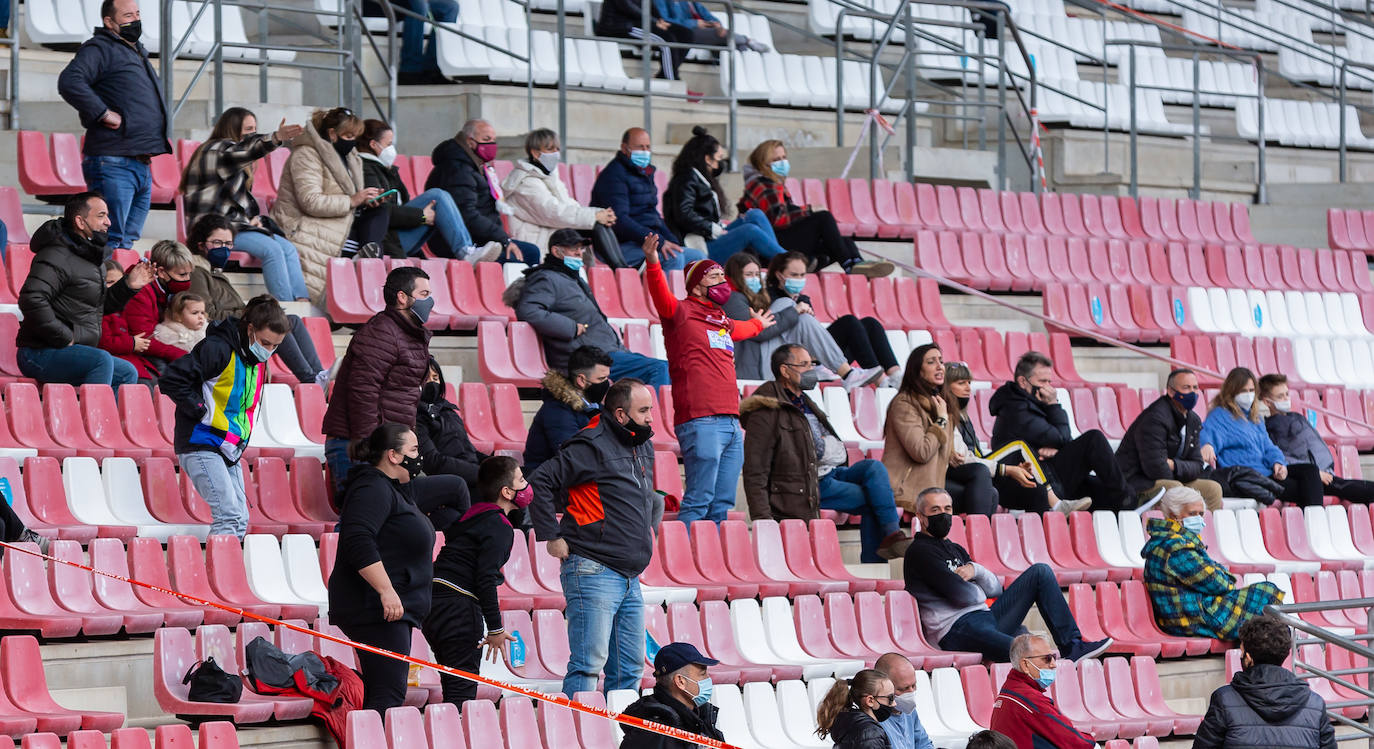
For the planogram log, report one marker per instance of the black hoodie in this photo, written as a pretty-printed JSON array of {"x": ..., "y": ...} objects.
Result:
[
  {"x": 1018, "y": 416},
  {"x": 64, "y": 295},
  {"x": 853, "y": 729},
  {"x": 1265, "y": 707},
  {"x": 444, "y": 444}
]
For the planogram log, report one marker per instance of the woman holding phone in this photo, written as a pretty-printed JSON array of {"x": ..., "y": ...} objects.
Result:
[{"x": 398, "y": 223}]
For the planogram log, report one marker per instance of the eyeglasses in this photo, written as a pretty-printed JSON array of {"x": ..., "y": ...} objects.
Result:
[
  {"x": 803, "y": 365},
  {"x": 216, "y": 244},
  {"x": 889, "y": 699},
  {"x": 1051, "y": 656},
  {"x": 343, "y": 111}
]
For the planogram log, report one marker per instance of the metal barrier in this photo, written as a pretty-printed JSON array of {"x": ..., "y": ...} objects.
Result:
[{"x": 1358, "y": 645}]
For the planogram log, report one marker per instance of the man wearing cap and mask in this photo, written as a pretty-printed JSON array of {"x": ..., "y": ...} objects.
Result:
[
  {"x": 602, "y": 481},
  {"x": 1023, "y": 711},
  {"x": 558, "y": 304},
  {"x": 903, "y": 728},
  {"x": 700, "y": 339},
  {"x": 681, "y": 699},
  {"x": 797, "y": 464}
]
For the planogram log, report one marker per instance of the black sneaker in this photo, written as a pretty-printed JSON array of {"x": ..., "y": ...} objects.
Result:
[{"x": 1083, "y": 650}]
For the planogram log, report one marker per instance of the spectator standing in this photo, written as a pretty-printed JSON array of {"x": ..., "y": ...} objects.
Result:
[
  {"x": 798, "y": 465},
  {"x": 625, "y": 19},
  {"x": 118, "y": 96},
  {"x": 183, "y": 324},
  {"x": 903, "y": 727},
  {"x": 1265, "y": 705},
  {"x": 463, "y": 168},
  {"x": 1161, "y": 449},
  {"x": 211, "y": 239},
  {"x": 1300, "y": 443},
  {"x": 681, "y": 699},
  {"x": 379, "y": 589},
  {"x": 466, "y": 612},
  {"x": 538, "y": 198},
  {"x": 382, "y": 371},
  {"x": 64, "y": 297},
  {"x": 172, "y": 275},
  {"x": 602, "y": 481},
  {"x": 1022, "y": 711},
  {"x": 951, "y": 591},
  {"x": 219, "y": 180},
  {"x": 217, "y": 389},
  {"x": 1192, "y": 594},
  {"x": 321, "y": 187},
  {"x": 444, "y": 444},
  {"x": 806, "y": 229},
  {"x": 419, "y": 49},
  {"x": 560, "y": 306},
  {"x": 852, "y": 713},
  {"x": 1235, "y": 430},
  {"x": 695, "y": 203},
  {"x": 571, "y": 399},
  {"x": 404, "y": 223},
  {"x": 627, "y": 186},
  {"x": 701, "y": 360}
]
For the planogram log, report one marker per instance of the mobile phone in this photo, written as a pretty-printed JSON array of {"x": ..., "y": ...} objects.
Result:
[{"x": 386, "y": 195}]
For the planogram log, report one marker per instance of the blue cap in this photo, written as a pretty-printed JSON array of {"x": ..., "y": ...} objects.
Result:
[{"x": 675, "y": 655}]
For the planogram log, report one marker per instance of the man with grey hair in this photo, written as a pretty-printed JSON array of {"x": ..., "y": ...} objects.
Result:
[
  {"x": 681, "y": 699},
  {"x": 1027, "y": 409},
  {"x": 1022, "y": 711},
  {"x": 951, "y": 591},
  {"x": 463, "y": 165},
  {"x": 903, "y": 728}
]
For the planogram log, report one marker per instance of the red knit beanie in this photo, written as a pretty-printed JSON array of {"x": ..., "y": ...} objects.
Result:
[{"x": 697, "y": 271}]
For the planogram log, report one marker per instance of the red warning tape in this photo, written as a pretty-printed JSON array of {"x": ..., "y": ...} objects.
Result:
[
  {"x": 1175, "y": 27},
  {"x": 629, "y": 720}
]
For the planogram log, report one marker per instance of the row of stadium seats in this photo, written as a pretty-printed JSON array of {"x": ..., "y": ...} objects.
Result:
[
  {"x": 53, "y": 22},
  {"x": 213, "y": 735}
]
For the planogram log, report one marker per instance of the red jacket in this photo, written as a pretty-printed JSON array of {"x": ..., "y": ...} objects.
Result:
[
  {"x": 1027, "y": 716},
  {"x": 141, "y": 315},
  {"x": 701, "y": 350}
]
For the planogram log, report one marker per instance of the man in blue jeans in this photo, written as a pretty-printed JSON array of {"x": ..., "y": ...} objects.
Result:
[
  {"x": 64, "y": 298},
  {"x": 951, "y": 591},
  {"x": 119, "y": 98},
  {"x": 602, "y": 480},
  {"x": 419, "y": 56}
]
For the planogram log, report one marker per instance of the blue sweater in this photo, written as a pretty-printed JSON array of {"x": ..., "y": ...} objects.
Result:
[{"x": 1240, "y": 442}]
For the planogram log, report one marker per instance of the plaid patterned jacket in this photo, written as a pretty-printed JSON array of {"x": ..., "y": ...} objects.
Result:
[
  {"x": 1193, "y": 595},
  {"x": 217, "y": 179},
  {"x": 771, "y": 198}
]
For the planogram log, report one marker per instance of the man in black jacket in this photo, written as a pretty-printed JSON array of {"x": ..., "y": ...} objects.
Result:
[
  {"x": 1160, "y": 449},
  {"x": 463, "y": 166},
  {"x": 64, "y": 298},
  {"x": 571, "y": 399},
  {"x": 1265, "y": 705},
  {"x": 1027, "y": 409},
  {"x": 114, "y": 89},
  {"x": 681, "y": 699},
  {"x": 1300, "y": 443},
  {"x": 602, "y": 480},
  {"x": 444, "y": 444}
]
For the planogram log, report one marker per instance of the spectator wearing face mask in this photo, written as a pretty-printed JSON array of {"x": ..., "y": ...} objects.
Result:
[
  {"x": 399, "y": 223},
  {"x": 695, "y": 204},
  {"x": 444, "y": 444},
  {"x": 463, "y": 167},
  {"x": 1023, "y": 712},
  {"x": 1300, "y": 443},
  {"x": 538, "y": 198},
  {"x": 627, "y": 186},
  {"x": 681, "y": 699},
  {"x": 852, "y": 713},
  {"x": 1161, "y": 448},
  {"x": 570, "y": 398},
  {"x": 1236, "y": 432},
  {"x": 143, "y": 313},
  {"x": 903, "y": 728}
]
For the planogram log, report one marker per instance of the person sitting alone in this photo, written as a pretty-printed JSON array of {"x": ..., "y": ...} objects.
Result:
[
  {"x": 1161, "y": 448},
  {"x": 1023, "y": 712},
  {"x": 183, "y": 324},
  {"x": 681, "y": 699}
]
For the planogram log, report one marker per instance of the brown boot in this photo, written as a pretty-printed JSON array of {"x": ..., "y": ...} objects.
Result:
[{"x": 894, "y": 546}]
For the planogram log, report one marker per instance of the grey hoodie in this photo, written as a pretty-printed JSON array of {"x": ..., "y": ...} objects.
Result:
[{"x": 1265, "y": 707}]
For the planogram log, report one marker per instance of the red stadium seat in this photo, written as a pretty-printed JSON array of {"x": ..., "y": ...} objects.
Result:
[
  {"x": 229, "y": 578},
  {"x": 947, "y": 203},
  {"x": 970, "y": 212},
  {"x": 908, "y": 211},
  {"x": 174, "y": 654},
  {"x": 929, "y": 207},
  {"x": 1075, "y": 218},
  {"x": 1083, "y": 605},
  {"x": 108, "y": 554},
  {"x": 861, "y": 205},
  {"x": 892, "y": 221},
  {"x": 65, "y": 150},
  {"x": 191, "y": 575},
  {"x": 1009, "y": 206},
  {"x": 29, "y": 589},
  {"x": 12, "y": 216},
  {"x": 990, "y": 210},
  {"x": 709, "y": 552},
  {"x": 741, "y": 558},
  {"x": 1149, "y": 693},
  {"x": 673, "y": 543},
  {"x": 149, "y": 565},
  {"x": 36, "y": 173},
  {"x": 1052, "y": 211},
  {"x": 72, "y": 590},
  {"x": 1338, "y": 234},
  {"x": 1031, "y": 214},
  {"x": 815, "y": 634},
  {"x": 344, "y": 296}
]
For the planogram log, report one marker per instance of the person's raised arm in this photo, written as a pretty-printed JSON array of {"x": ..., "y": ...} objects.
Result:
[{"x": 659, "y": 291}]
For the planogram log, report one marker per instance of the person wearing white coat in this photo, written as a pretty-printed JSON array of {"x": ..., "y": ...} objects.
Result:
[{"x": 539, "y": 201}]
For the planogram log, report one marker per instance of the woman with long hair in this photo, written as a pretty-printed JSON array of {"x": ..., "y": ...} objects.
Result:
[
  {"x": 219, "y": 180},
  {"x": 1235, "y": 430},
  {"x": 402, "y": 224},
  {"x": 850, "y": 712},
  {"x": 695, "y": 203},
  {"x": 917, "y": 434},
  {"x": 806, "y": 229}
]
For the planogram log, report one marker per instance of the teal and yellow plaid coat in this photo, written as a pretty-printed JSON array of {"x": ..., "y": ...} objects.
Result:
[{"x": 1193, "y": 595}]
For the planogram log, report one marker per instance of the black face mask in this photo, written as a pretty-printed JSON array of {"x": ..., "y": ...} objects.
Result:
[
  {"x": 596, "y": 393},
  {"x": 344, "y": 147},
  {"x": 431, "y": 392},
  {"x": 939, "y": 525},
  {"x": 882, "y": 713},
  {"x": 963, "y": 403},
  {"x": 631, "y": 433},
  {"x": 412, "y": 465},
  {"x": 719, "y": 170},
  {"x": 131, "y": 31}
]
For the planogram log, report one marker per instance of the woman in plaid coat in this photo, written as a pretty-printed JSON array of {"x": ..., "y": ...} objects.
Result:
[{"x": 1194, "y": 595}]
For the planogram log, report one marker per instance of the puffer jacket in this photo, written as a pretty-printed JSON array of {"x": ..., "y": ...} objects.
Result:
[
  {"x": 315, "y": 204},
  {"x": 456, "y": 171},
  {"x": 633, "y": 195},
  {"x": 217, "y": 389},
  {"x": 380, "y": 377},
  {"x": 554, "y": 300},
  {"x": 1265, "y": 706},
  {"x": 562, "y": 414},
  {"x": 1293, "y": 435},
  {"x": 853, "y": 729},
  {"x": 108, "y": 73},
  {"x": 221, "y": 298},
  {"x": 540, "y": 204},
  {"x": 916, "y": 450},
  {"x": 778, "y": 447},
  {"x": 1018, "y": 416},
  {"x": 64, "y": 296},
  {"x": 690, "y": 206}
]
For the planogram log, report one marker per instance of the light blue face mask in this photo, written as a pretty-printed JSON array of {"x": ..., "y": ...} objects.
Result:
[
  {"x": 794, "y": 286},
  {"x": 704, "y": 689},
  {"x": 781, "y": 167},
  {"x": 574, "y": 263},
  {"x": 753, "y": 284},
  {"x": 1194, "y": 523},
  {"x": 260, "y": 351},
  {"x": 640, "y": 158},
  {"x": 1046, "y": 678}
]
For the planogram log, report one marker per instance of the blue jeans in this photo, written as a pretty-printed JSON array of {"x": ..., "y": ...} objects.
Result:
[
  {"x": 864, "y": 489},
  {"x": 76, "y": 365},
  {"x": 751, "y": 232},
  {"x": 991, "y": 632},
  {"x": 629, "y": 364},
  {"x": 605, "y": 614},
  {"x": 127, "y": 186},
  {"x": 447, "y": 221},
  {"x": 416, "y": 55},
  {"x": 281, "y": 264},
  {"x": 221, "y": 486},
  {"x": 336, "y": 457},
  {"x": 634, "y": 256},
  {"x": 713, "y": 455}
]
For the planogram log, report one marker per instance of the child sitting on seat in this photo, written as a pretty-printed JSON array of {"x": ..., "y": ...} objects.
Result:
[{"x": 183, "y": 325}]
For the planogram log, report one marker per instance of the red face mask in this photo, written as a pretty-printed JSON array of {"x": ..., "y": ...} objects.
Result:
[{"x": 174, "y": 286}]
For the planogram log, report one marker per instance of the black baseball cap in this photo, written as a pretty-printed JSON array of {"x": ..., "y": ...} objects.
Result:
[
  {"x": 675, "y": 655},
  {"x": 568, "y": 238}
]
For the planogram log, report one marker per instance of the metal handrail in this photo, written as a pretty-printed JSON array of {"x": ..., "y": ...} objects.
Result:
[{"x": 1289, "y": 613}]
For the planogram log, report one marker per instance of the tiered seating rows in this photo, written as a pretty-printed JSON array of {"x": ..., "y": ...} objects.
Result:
[{"x": 213, "y": 735}]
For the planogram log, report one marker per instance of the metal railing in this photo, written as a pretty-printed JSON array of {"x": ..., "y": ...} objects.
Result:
[
  {"x": 12, "y": 42},
  {"x": 1358, "y": 645}
]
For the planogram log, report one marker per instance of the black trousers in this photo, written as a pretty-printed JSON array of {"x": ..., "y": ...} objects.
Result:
[
  {"x": 1303, "y": 485},
  {"x": 11, "y": 527},
  {"x": 1013, "y": 496},
  {"x": 1071, "y": 467},
  {"x": 818, "y": 237},
  {"x": 384, "y": 679},
  {"x": 864, "y": 341},
  {"x": 1351, "y": 490},
  {"x": 970, "y": 486},
  {"x": 454, "y": 629}
]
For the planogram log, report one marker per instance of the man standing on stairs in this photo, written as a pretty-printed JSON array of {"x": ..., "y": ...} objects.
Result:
[{"x": 114, "y": 89}]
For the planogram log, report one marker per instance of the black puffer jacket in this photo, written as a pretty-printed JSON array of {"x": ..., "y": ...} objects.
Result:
[
  {"x": 1018, "y": 416},
  {"x": 853, "y": 729},
  {"x": 660, "y": 707},
  {"x": 690, "y": 206},
  {"x": 456, "y": 171},
  {"x": 64, "y": 296},
  {"x": 1265, "y": 707},
  {"x": 1161, "y": 433},
  {"x": 444, "y": 444},
  {"x": 108, "y": 73}
]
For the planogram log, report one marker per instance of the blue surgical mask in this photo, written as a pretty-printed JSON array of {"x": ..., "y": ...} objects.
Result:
[
  {"x": 753, "y": 284},
  {"x": 574, "y": 263},
  {"x": 640, "y": 158},
  {"x": 794, "y": 286},
  {"x": 218, "y": 257},
  {"x": 704, "y": 689},
  {"x": 1194, "y": 523},
  {"x": 260, "y": 351},
  {"x": 1046, "y": 678},
  {"x": 781, "y": 167}
]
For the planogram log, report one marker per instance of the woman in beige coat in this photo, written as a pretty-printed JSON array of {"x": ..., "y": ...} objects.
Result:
[
  {"x": 320, "y": 188},
  {"x": 918, "y": 434}
]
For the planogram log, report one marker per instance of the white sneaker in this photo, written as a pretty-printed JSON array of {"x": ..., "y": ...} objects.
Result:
[
  {"x": 1149, "y": 501},
  {"x": 488, "y": 252},
  {"x": 825, "y": 374},
  {"x": 1067, "y": 506},
  {"x": 857, "y": 377},
  {"x": 892, "y": 381}
]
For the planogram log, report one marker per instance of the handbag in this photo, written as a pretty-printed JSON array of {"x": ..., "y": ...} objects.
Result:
[
  {"x": 210, "y": 683},
  {"x": 607, "y": 247}
]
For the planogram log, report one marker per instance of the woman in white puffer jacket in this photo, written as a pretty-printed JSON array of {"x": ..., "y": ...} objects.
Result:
[{"x": 539, "y": 202}]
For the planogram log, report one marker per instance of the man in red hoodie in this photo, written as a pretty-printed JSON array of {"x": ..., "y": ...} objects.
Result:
[
  {"x": 1023, "y": 712},
  {"x": 700, "y": 339}
]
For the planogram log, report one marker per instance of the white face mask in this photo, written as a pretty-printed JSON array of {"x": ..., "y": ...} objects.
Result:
[
  {"x": 1283, "y": 406},
  {"x": 906, "y": 703},
  {"x": 388, "y": 155},
  {"x": 1245, "y": 400}
]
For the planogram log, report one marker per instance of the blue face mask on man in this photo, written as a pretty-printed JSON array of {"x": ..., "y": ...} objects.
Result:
[
  {"x": 640, "y": 158},
  {"x": 1046, "y": 678},
  {"x": 703, "y": 695},
  {"x": 574, "y": 263}
]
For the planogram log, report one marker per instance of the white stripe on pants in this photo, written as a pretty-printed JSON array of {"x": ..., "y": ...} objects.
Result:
[{"x": 665, "y": 54}]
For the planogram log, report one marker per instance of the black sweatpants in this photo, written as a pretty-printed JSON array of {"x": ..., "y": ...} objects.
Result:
[
  {"x": 1303, "y": 485},
  {"x": 818, "y": 237},
  {"x": 1013, "y": 496},
  {"x": 970, "y": 486},
  {"x": 11, "y": 527},
  {"x": 384, "y": 679},
  {"x": 863, "y": 341},
  {"x": 454, "y": 629},
  {"x": 1351, "y": 490},
  {"x": 1070, "y": 470}
]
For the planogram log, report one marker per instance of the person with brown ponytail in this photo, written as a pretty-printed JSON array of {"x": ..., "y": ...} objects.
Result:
[{"x": 851, "y": 711}]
